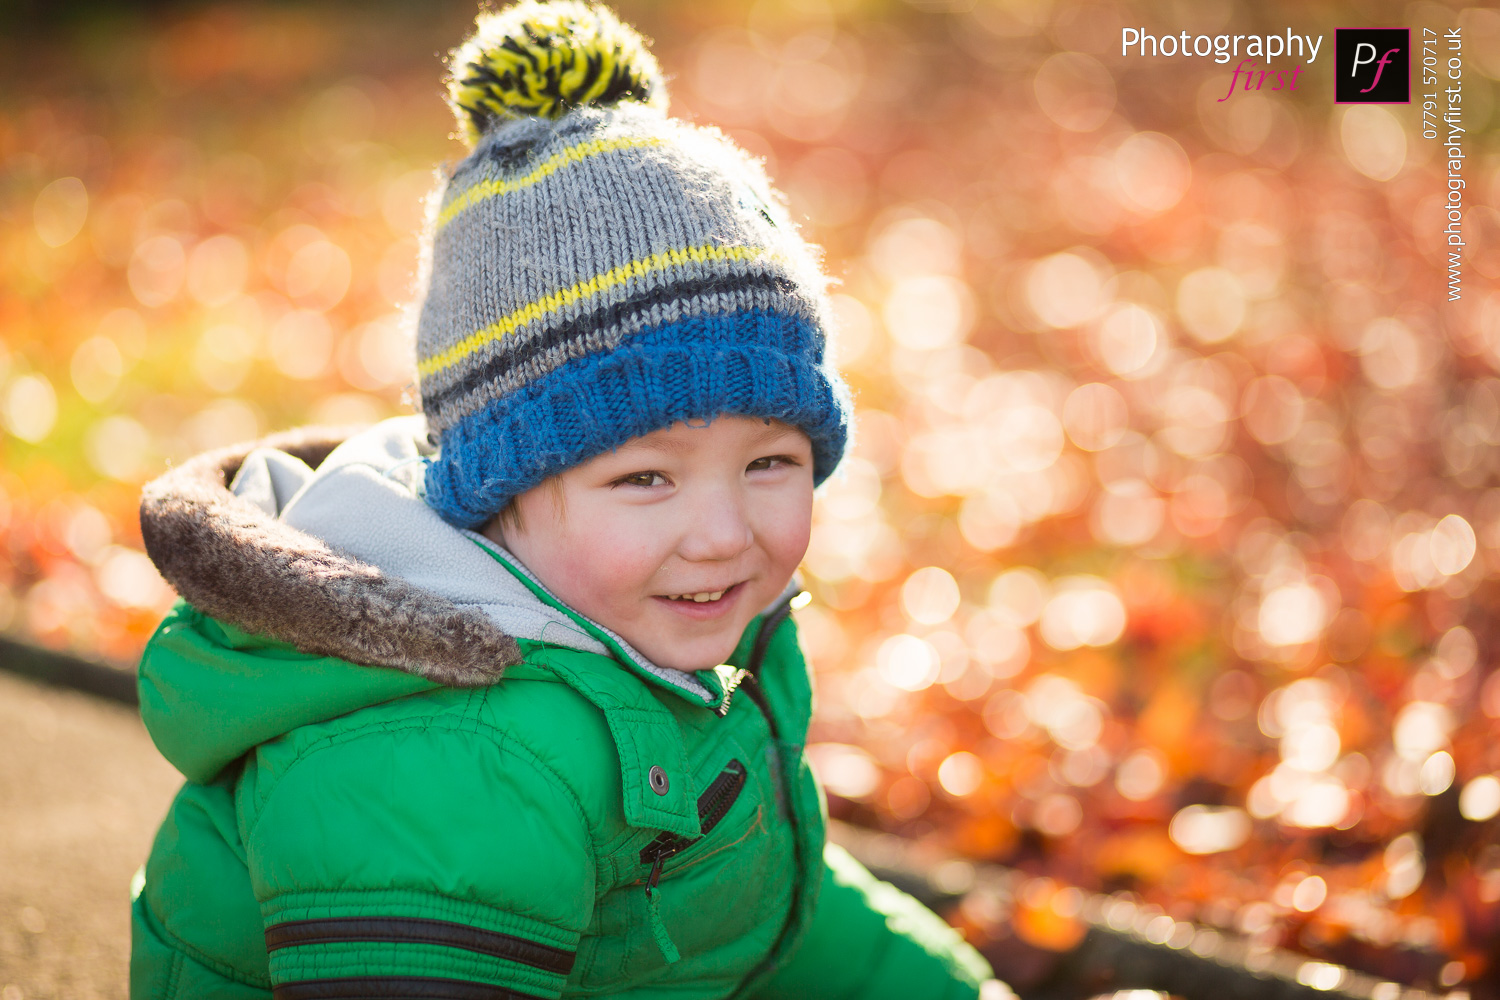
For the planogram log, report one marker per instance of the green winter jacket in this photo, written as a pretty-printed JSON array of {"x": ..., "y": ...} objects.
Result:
[{"x": 413, "y": 773}]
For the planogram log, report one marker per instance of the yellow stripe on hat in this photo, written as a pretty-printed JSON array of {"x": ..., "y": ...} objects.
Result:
[
  {"x": 533, "y": 311},
  {"x": 551, "y": 165}
]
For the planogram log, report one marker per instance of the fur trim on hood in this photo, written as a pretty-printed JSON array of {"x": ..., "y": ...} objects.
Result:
[{"x": 236, "y": 561}]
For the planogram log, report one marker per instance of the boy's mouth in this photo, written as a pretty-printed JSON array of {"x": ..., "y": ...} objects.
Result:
[
  {"x": 702, "y": 603},
  {"x": 700, "y": 598}
]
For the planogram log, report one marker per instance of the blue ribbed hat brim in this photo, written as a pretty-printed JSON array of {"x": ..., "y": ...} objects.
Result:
[{"x": 691, "y": 370}]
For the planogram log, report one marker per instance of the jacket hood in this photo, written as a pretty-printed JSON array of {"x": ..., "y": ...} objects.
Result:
[{"x": 320, "y": 539}]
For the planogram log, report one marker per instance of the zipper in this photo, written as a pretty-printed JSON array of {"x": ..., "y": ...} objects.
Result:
[
  {"x": 724, "y": 791},
  {"x": 751, "y": 684},
  {"x": 757, "y": 654},
  {"x": 731, "y": 684},
  {"x": 713, "y": 805},
  {"x": 721, "y": 795},
  {"x": 653, "y": 913},
  {"x": 768, "y": 628}
]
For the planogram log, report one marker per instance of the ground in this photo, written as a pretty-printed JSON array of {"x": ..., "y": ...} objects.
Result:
[{"x": 81, "y": 793}]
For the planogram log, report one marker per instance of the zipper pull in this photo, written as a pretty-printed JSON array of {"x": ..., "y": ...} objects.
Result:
[
  {"x": 653, "y": 911},
  {"x": 731, "y": 684}
]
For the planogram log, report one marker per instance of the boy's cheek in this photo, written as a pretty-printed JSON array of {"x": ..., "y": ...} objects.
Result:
[
  {"x": 788, "y": 532},
  {"x": 606, "y": 562},
  {"x": 792, "y": 555},
  {"x": 621, "y": 552}
]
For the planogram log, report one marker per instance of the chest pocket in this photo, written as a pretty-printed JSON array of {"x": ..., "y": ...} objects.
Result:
[
  {"x": 713, "y": 805},
  {"x": 716, "y": 893}
]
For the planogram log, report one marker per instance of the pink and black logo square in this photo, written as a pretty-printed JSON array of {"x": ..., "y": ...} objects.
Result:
[{"x": 1373, "y": 64}]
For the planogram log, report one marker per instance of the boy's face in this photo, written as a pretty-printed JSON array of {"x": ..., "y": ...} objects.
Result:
[{"x": 630, "y": 537}]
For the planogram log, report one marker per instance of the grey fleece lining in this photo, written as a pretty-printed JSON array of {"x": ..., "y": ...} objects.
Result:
[{"x": 231, "y": 559}]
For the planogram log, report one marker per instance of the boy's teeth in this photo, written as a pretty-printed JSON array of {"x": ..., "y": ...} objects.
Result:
[{"x": 698, "y": 598}]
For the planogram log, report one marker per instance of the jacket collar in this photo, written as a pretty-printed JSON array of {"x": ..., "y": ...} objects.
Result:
[
  {"x": 320, "y": 538},
  {"x": 232, "y": 559}
]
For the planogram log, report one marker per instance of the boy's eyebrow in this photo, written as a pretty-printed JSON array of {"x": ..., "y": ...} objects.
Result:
[
  {"x": 675, "y": 446},
  {"x": 773, "y": 431},
  {"x": 671, "y": 446}
]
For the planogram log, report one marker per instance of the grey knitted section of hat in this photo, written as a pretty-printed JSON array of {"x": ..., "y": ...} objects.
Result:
[{"x": 557, "y": 239}]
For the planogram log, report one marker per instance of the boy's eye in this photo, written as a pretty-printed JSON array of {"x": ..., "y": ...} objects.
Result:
[
  {"x": 770, "y": 462},
  {"x": 643, "y": 479}
]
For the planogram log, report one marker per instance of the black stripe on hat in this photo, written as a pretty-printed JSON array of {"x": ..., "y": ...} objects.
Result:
[{"x": 507, "y": 359}]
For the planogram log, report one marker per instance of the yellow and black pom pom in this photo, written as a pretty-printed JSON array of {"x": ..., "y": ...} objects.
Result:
[{"x": 544, "y": 59}]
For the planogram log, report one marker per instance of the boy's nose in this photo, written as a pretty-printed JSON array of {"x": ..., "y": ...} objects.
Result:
[{"x": 717, "y": 529}]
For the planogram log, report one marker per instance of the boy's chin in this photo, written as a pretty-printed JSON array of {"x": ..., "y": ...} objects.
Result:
[
  {"x": 690, "y": 656},
  {"x": 691, "y": 661}
]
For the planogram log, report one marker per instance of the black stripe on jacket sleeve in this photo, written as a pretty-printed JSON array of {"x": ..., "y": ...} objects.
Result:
[
  {"x": 415, "y": 930},
  {"x": 394, "y": 988}
]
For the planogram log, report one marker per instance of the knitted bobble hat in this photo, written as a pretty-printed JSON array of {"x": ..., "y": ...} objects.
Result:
[{"x": 599, "y": 270}]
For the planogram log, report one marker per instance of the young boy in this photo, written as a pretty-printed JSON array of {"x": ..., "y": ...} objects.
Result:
[{"x": 503, "y": 700}]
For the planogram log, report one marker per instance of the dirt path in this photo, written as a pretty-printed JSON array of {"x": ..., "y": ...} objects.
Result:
[{"x": 81, "y": 792}]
